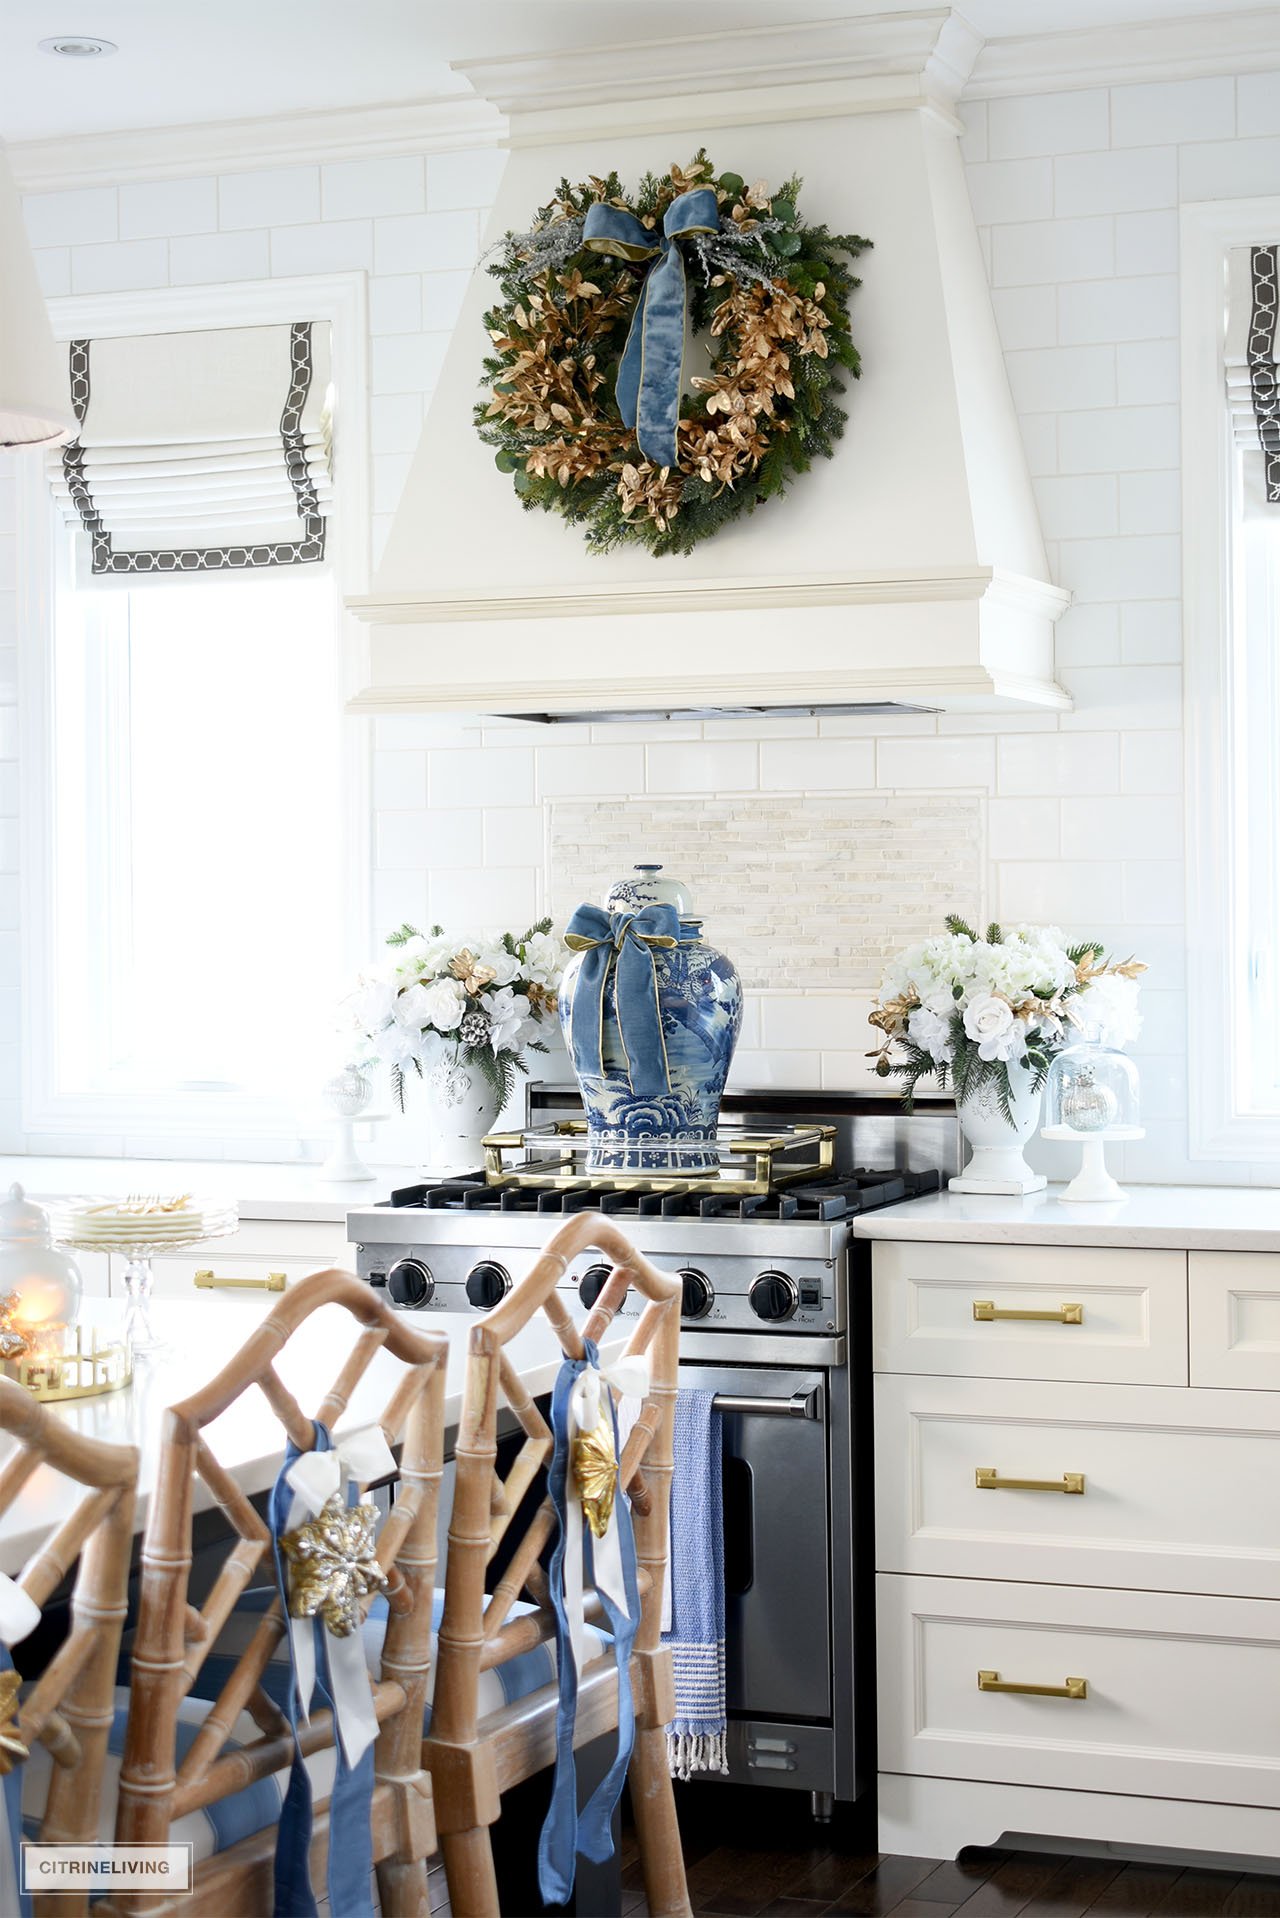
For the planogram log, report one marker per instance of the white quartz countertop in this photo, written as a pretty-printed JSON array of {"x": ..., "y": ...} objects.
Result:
[
  {"x": 260, "y": 1191},
  {"x": 1179, "y": 1218},
  {"x": 203, "y": 1335}
]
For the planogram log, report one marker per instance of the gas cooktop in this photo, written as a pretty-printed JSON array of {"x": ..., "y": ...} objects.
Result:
[{"x": 824, "y": 1198}]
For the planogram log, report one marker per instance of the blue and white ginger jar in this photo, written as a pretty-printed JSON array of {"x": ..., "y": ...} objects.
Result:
[{"x": 652, "y": 1081}]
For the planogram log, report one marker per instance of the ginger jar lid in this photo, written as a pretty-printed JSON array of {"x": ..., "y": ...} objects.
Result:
[
  {"x": 22, "y": 1222},
  {"x": 649, "y": 885}
]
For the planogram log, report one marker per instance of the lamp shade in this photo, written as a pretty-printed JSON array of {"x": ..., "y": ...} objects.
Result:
[{"x": 35, "y": 390}]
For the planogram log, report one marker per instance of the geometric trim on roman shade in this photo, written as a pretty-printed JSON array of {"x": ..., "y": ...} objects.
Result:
[
  {"x": 199, "y": 452},
  {"x": 1253, "y": 376}
]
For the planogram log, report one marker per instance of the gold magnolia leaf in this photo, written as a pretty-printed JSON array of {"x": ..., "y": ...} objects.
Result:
[
  {"x": 594, "y": 1465},
  {"x": 332, "y": 1565}
]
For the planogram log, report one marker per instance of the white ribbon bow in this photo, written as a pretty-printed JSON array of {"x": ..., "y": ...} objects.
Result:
[
  {"x": 364, "y": 1456},
  {"x": 586, "y": 1402}
]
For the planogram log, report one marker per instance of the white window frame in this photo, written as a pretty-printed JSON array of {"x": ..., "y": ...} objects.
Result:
[
  {"x": 54, "y": 1120},
  {"x": 1220, "y": 1125}
]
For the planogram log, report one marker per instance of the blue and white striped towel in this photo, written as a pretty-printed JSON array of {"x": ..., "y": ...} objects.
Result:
[{"x": 696, "y": 1735}]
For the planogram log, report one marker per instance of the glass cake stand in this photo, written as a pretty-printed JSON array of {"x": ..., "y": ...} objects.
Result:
[{"x": 138, "y": 1241}]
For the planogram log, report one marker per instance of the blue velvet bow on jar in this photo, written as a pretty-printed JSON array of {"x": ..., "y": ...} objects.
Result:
[
  {"x": 651, "y": 371},
  {"x": 623, "y": 944}
]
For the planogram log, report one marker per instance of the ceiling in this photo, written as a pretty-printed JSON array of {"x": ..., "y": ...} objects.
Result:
[{"x": 184, "y": 61}]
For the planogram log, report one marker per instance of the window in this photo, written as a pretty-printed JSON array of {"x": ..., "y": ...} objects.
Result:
[
  {"x": 196, "y": 824},
  {"x": 194, "y": 857},
  {"x": 1231, "y": 623}
]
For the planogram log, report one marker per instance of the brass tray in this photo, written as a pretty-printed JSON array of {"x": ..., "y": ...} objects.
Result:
[{"x": 561, "y": 1155}]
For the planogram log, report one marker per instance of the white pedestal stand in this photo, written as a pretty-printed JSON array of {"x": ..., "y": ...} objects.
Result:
[
  {"x": 1093, "y": 1184},
  {"x": 344, "y": 1166}
]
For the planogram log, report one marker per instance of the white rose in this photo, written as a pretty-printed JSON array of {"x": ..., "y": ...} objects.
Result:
[
  {"x": 991, "y": 1023},
  {"x": 442, "y": 1004},
  {"x": 932, "y": 1032},
  {"x": 508, "y": 1011}
]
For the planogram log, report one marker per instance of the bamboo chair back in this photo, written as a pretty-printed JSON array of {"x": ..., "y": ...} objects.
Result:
[
  {"x": 69, "y": 1706},
  {"x": 473, "y": 1760},
  {"x": 174, "y": 1637}
]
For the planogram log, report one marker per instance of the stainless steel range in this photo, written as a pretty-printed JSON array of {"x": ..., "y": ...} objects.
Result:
[{"x": 774, "y": 1322}]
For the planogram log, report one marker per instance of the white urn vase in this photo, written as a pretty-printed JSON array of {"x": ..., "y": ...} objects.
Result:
[
  {"x": 997, "y": 1164},
  {"x": 462, "y": 1107}
]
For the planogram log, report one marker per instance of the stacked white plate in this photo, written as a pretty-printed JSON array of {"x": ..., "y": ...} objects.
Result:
[{"x": 142, "y": 1223}]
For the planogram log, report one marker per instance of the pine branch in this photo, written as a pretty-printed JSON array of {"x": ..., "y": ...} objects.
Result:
[{"x": 955, "y": 924}]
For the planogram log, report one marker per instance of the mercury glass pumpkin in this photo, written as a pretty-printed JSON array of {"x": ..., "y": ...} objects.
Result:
[
  {"x": 699, "y": 997},
  {"x": 1092, "y": 1089}
]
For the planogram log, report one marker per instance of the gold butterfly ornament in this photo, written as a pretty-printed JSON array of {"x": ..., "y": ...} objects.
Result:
[
  {"x": 12, "y": 1749},
  {"x": 332, "y": 1565},
  {"x": 594, "y": 1465}
]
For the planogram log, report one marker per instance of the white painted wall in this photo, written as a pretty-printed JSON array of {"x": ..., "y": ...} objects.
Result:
[{"x": 1076, "y": 196}]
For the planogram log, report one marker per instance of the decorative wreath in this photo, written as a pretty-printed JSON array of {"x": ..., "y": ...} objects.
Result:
[{"x": 585, "y": 379}]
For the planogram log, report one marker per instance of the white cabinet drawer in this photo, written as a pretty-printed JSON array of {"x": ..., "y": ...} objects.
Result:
[
  {"x": 1182, "y": 1694},
  {"x": 1181, "y": 1489},
  {"x": 253, "y": 1258},
  {"x": 1096, "y": 1314},
  {"x": 1235, "y": 1319}
]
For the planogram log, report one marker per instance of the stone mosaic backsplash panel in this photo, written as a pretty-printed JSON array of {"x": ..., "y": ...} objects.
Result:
[{"x": 808, "y": 893}]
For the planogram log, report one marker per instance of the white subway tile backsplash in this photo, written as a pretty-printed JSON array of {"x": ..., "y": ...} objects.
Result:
[
  {"x": 395, "y": 303},
  {"x": 515, "y": 836},
  {"x": 442, "y": 296},
  {"x": 269, "y": 196},
  {"x": 1235, "y": 169},
  {"x": 331, "y": 246},
  {"x": 1063, "y": 764},
  {"x": 821, "y": 765},
  {"x": 160, "y": 209},
  {"x": 209, "y": 257},
  {"x": 1024, "y": 828},
  {"x": 502, "y": 776},
  {"x": 1150, "y": 502},
  {"x": 53, "y": 270},
  {"x": 1123, "y": 182},
  {"x": 1257, "y": 104},
  {"x": 1060, "y": 892},
  {"x": 1177, "y": 110},
  {"x": 488, "y": 898},
  {"x": 1122, "y": 439},
  {"x": 121, "y": 267},
  {"x": 1151, "y": 763},
  {"x": 1124, "y": 828},
  {"x": 395, "y": 422},
  {"x": 406, "y": 362},
  {"x": 439, "y": 838},
  {"x": 1027, "y": 316},
  {"x": 1087, "y": 635},
  {"x": 703, "y": 766},
  {"x": 1154, "y": 892},
  {"x": 1111, "y": 569},
  {"x": 798, "y": 1022},
  {"x": 1077, "y": 506},
  {"x": 763, "y": 1071},
  {"x": 427, "y": 242},
  {"x": 399, "y": 781},
  {"x": 1011, "y": 190},
  {"x": 1147, "y": 242},
  {"x": 1122, "y": 309},
  {"x": 399, "y": 899},
  {"x": 1039, "y": 442},
  {"x": 465, "y": 179},
  {"x": 1147, "y": 373},
  {"x": 1060, "y": 379},
  {"x": 1119, "y": 699},
  {"x": 1047, "y": 123},
  {"x": 617, "y": 771},
  {"x": 1046, "y": 252},
  {"x": 1151, "y": 633},
  {"x": 80, "y": 217},
  {"x": 929, "y": 763},
  {"x": 364, "y": 189}
]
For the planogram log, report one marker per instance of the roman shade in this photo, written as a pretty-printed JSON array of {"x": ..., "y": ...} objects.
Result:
[
  {"x": 198, "y": 452},
  {"x": 1253, "y": 392}
]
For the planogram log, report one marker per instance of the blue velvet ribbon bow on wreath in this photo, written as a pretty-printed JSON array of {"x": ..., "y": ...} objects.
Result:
[{"x": 652, "y": 368}]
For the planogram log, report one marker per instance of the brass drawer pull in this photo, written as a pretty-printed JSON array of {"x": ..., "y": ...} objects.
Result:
[
  {"x": 984, "y": 1310},
  {"x": 1071, "y": 1688},
  {"x": 987, "y": 1479},
  {"x": 209, "y": 1282}
]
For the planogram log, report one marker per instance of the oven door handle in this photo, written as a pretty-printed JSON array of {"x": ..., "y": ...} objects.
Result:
[{"x": 800, "y": 1405}]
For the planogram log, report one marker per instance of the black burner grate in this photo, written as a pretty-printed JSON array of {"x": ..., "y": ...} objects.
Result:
[{"x": 825, "y": 1200}]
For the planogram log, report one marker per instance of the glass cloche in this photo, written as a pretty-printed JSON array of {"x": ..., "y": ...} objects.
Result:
[{"x": 1092, "y": 1089}]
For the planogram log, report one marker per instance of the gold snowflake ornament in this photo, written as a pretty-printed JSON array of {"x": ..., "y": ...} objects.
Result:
[
  {"x": 12, "y": 1749},
  {"x": 332, "y": 1565},
  {"x": 595, "y": 1474}
]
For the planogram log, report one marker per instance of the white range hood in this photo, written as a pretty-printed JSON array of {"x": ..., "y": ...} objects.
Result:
[{"x": 909, "y": 570}]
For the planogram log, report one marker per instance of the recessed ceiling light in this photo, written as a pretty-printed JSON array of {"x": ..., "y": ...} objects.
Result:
[{"x": 78, "y": 46}]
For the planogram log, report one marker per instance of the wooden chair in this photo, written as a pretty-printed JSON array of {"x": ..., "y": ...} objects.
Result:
[
  {"x": 174, "y": 1638},
  {"x": 68, "y": 1707},
  {"x": 475, "y": 1756}
]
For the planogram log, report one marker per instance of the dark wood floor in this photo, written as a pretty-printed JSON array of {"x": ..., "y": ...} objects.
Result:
[{"x": 742, "y": 1864}]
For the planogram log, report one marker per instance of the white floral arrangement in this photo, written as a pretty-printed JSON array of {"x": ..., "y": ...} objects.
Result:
[
  {"x": 487, "y": 995},
  {"x": 963, "y": 1008}
]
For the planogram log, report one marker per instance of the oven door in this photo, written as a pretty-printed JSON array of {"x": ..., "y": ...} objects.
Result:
[{"x": 776, "y": 1552}]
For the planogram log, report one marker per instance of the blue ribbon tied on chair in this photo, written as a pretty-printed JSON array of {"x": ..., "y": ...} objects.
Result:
[
  {"x": 19, "y": 1615},
  {"x": 651, "y": 370},
  {"x": 622, "y": 944}
]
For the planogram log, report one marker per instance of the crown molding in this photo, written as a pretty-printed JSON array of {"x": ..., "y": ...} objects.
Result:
[
  {"x": 442, "y": 125},
  {"x": 1247, "y": 41},
  {"x": 928, "y": 54}
]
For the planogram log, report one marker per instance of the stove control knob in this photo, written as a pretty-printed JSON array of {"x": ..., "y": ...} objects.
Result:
[
  {"x": 409, "y": 1282},
  {"x": 487, "y": 1284},
  {"x": 592, "y": 1283},
  {"x": 773, "y": 1296},
  {"x": 697, "y": 1293}
]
